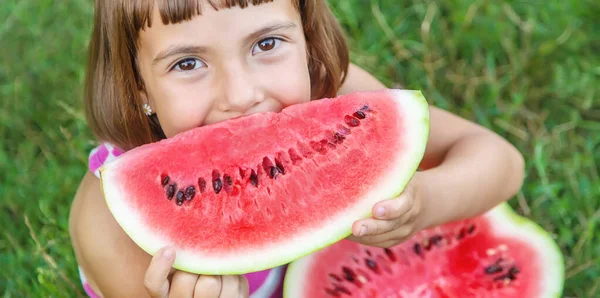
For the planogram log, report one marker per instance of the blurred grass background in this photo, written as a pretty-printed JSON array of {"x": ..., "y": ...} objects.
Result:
[{"x": 529, "y": 70}]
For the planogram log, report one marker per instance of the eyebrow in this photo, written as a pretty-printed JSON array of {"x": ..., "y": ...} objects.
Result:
[
  {"x": 270, "y": 27},
  {"x": 185, "y": 49},
  {"x": 178, "y": 49}
]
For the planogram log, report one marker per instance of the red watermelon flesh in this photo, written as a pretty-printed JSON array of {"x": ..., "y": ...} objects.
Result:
[
  {"x": 498, "y": 254},
  {"x": 259, "y": 191}
]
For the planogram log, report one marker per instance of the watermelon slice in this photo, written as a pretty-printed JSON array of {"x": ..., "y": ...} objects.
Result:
[
  {"x": 498, "y": 254},
  {"x": 259, "y": 191}
]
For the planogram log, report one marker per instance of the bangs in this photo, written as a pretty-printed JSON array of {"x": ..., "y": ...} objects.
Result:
[
  {"x": 176, "y": 11},
  {"x": 113, "y": 101}
]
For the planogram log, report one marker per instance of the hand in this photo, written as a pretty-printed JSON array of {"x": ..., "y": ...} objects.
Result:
[
  {"x": 393, "y": 222},
  {"x": 188, "y": 285}
]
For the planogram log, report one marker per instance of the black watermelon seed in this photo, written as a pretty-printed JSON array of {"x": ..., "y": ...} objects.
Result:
[
  {"x": 471, "y": 229},
  {"x": 365, "y": 108},
  {"x": 254, "y": 178},
  {"x": 190, "y": 192},
  {"x": 216, "y": 181},
  {"x": 390, "y": 254},
  {"x": 417, "y": 249},
  {"x": 171, "y": 190},
  {"x": 513, "y": 271},
  {"x": 371, "y": 264},
  {"x": 165, "y": 181},
  {"x": 359, "y": 115},
  {"x": 273, "y": 172},
  {"x": 492, "y": 269},
  {"x": 351, "y": 121},
  {"x": 217, "y": 185},
  {"x": 349, "y": 275},
  {"x": 435, "y": 240},
  {"x": 461, "y": 234},
  {"x": 179, "y": 198},
  {"x": 279, "y": 167}
]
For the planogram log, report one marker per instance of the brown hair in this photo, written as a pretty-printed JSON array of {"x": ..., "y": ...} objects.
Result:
[{"x": 113, "y": 105}]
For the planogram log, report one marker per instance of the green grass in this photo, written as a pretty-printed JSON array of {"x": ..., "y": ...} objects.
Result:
[{"x": 529, "y": 70}]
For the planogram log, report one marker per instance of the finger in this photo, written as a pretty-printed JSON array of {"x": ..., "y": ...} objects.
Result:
[
  {"x": 388, "y": 244},
  {"x": 244, "y": 287},
  {"x": 231, "y": 287},
  {"x": 155, "y": 279},
  {"x": 208, "y": 286},
  {"x": 398, "y": 234},
  {"x": 183, "y": 285},
  {"x": 394, "y": 208},
  {"x": 399, "y": 239},
  {"x": 370, "y": 227}
]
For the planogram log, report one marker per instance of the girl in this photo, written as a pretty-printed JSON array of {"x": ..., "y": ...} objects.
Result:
[{"x": 158, "y": 68}]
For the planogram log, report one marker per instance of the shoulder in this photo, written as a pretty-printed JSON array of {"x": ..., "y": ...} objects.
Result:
[
  {"x": 359, "y": 79},
  {"x": 107, "y": 256}
]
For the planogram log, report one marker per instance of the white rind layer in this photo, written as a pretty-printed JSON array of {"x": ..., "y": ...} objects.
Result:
[
  {"x": 511, "y": 225},
  {"x": 504, "y": 223},
  {"x": 415, "y": 112}
]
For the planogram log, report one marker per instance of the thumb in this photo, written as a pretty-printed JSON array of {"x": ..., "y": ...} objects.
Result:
[{"x": 156, "y": 278}]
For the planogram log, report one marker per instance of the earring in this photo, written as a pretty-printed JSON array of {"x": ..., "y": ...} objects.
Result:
[{"x": 147, "y": 109}]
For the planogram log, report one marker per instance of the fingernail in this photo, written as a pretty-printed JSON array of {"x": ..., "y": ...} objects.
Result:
[
  {"x": 380, "y": 212},
  {"x": 168, "y": 254},
  {"x": 363, "y": 230}
]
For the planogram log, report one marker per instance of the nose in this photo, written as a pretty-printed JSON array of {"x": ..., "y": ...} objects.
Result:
[{"x": 240, "y": 89}]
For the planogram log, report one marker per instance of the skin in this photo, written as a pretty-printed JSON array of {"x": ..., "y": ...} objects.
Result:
[
  {"x": 233, "y": 72},
  {"x": 233, "y": 76}
]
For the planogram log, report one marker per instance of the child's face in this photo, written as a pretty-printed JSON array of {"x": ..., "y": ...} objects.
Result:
[{"x": 224, "y": 64}]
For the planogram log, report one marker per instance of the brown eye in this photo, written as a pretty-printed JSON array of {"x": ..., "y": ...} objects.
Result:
[
  {"x": 266, "y": 45},
  {"x": 188, "y": 64}
]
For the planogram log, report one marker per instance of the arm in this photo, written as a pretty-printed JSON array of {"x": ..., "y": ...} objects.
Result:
[
  {"x": 116, "y": 266},
  {"x": 475, "y": 169},
  {"x": 112, "y": 262}
]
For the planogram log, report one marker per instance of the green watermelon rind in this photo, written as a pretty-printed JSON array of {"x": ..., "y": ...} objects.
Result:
[
  {"x": 416, "y": 108},
  {"x": 526, "y": 229}
]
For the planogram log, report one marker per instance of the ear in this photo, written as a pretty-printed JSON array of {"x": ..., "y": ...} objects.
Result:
[{"x": 146, "y": 104}]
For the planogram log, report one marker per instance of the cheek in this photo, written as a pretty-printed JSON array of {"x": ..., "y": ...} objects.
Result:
[
  {"x": 180, "y": 106},
  {"x": 289, "y": 82}
]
